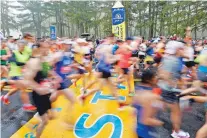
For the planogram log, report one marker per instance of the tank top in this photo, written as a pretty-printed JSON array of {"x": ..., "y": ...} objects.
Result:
[
  {"x": 102, "y": 65},
  {"x": 43, "y": 73},
  {"x": 62, "y": 68},
  {"x": 125, "y": 56},
  {"x": 3, "y": 52},
  {"x": 143, "y": 130},
  {"x": 21, "y": 57}
]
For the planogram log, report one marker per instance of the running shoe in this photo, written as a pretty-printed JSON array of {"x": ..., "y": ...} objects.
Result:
[
  {"x": 74, "y": 82},
  {"x": 131, "y": 94},
  {"x": 120, "y": 86},
  {"x": 29, "y": 108},
  {"x": 122, "y": 105},
  {"x": 180, "y": 134},
  {"x": 81, "y": 98},
  {"x": 5, "y": 100}
]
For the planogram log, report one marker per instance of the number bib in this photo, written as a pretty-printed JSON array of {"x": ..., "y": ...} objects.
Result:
[{"x": 65, "y": 69}]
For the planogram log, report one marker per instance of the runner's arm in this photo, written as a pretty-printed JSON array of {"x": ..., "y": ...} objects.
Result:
[{"x": 31, "y": 69}]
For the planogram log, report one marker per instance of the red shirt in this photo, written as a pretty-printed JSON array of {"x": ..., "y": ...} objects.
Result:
[{"x": 125, "y": 57}]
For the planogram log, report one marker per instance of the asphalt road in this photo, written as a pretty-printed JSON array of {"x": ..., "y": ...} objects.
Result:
[{"x": 12, "y": 115}]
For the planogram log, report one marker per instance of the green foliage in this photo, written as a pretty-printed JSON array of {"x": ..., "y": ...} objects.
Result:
[{"x": 149, "y": 18}]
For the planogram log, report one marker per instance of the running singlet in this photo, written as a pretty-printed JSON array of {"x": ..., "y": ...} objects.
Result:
[
  {"x": 42, "y": 102},
  {"x": 143, "y": 130},
  {"x": 3, "y": 52},
  {"x": 125, "y": 56},
  {"x": 62, "y": 67},
  {"x": 102, "y": 65},
  {"x": 17, "y": 60}
]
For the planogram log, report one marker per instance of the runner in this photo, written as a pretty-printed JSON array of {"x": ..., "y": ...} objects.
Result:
[
  {"x": 5, "y": 55},
  {"x": 103, "y": 75},
  {"x": 17, "y": 61},
  {"x": 202, "y": 132},
  {"x": 170, "y": 73},
  {"x": 125, "y": 52},
  {"x": 147, "y": 104},
  {"x": 36, "y": 71},
  {"x": 63, "y": 68}
]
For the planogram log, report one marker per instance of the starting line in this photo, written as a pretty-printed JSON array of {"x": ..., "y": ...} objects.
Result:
[{"x": 97, "y": 118}]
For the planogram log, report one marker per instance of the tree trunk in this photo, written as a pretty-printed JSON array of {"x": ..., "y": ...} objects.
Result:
[
  {"x": 155, "y": 21},
  {"x": 140, "y": 21},
  {"x": 188, "y": 15},
  {"x": 3, "y": 21},
  {"x": 57, "y": 22},
  {"x": 144, "y": 29},
  {"x": 196, "y": 21},
  {"x": 150, "y": 18},
  {"x": 39, "y": 27},
  {"x": 6, "y": 19},
  {"x": 177, "y": 17},
  {"x": 169, "y": 23}
]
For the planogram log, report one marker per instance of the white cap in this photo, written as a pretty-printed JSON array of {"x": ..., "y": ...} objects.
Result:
[
  {"x": 67, "y": 41},
  {"x": 155, "y": 41},
  {"x": 79, "y": 40},
  {"x": 172, "y": 46}
]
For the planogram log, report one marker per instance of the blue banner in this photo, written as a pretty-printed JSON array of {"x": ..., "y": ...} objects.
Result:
[
  {"x": 118, "y": 22},
  {"x": 53, "y": 32},
  {"x": 118, "y": 16}
]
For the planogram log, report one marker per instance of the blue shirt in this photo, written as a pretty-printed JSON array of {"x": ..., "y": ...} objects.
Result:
[
  {"x": 143, "y": 130},
  {"x": 62, "y": 67}
]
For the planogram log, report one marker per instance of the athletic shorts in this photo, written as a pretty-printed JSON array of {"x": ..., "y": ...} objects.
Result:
[
  {"x": 42, "y": 102},
  {"x": 4, "y": 79},
  {"x": 81, "y": 71},
  {"x": 134, "y": 55},
  {"x": 141, "y": 56},
  {"x": 144, "y": 131},
  {"x": 189, "y": 64},
  {"x": 65, "y": 84},
  {"x": 168, "y": 94},
  {"x": 125, "y": 70},
  {"x": 105, "y": 74},
  {"x": 202, "y": 76},
  {"x": 205, "y": 106},
  {"x": 16, "y": 78}
]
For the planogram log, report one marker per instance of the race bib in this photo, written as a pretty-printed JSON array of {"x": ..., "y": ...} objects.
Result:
[
  {"x": 45, "y": 83},
  {"x": 65, "y": 69}
]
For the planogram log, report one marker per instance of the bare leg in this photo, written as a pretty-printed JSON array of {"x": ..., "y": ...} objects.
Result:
[
  {"x": 128, "y": 81},
  {"x": 41, "y": 126},
  {"x": 24, "y": 97},
  {"x": 113, "y": 89},
  {"x": 175, "y": 116},
  {"x": 2, "y": 84},
  {"x": 202, "y": 132},
  {"x": 11, "y": 92},
  {"x": 69, "y": 94}
]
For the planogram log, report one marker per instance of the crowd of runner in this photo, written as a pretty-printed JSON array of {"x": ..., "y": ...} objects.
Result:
[{"x": 172, "y": 73}]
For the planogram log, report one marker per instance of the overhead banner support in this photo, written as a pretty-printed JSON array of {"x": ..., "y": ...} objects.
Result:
[
  {"x": 53, "y": 32},
  {"x": 118, "y": 21}
]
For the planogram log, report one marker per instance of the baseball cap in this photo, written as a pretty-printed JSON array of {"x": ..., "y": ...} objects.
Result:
[
  {"x": 119, "y": 41},
  {"x": 129, "y": 38},
  {"x": 67, "y": 41},
  {"x": 172, "y": 46}
]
